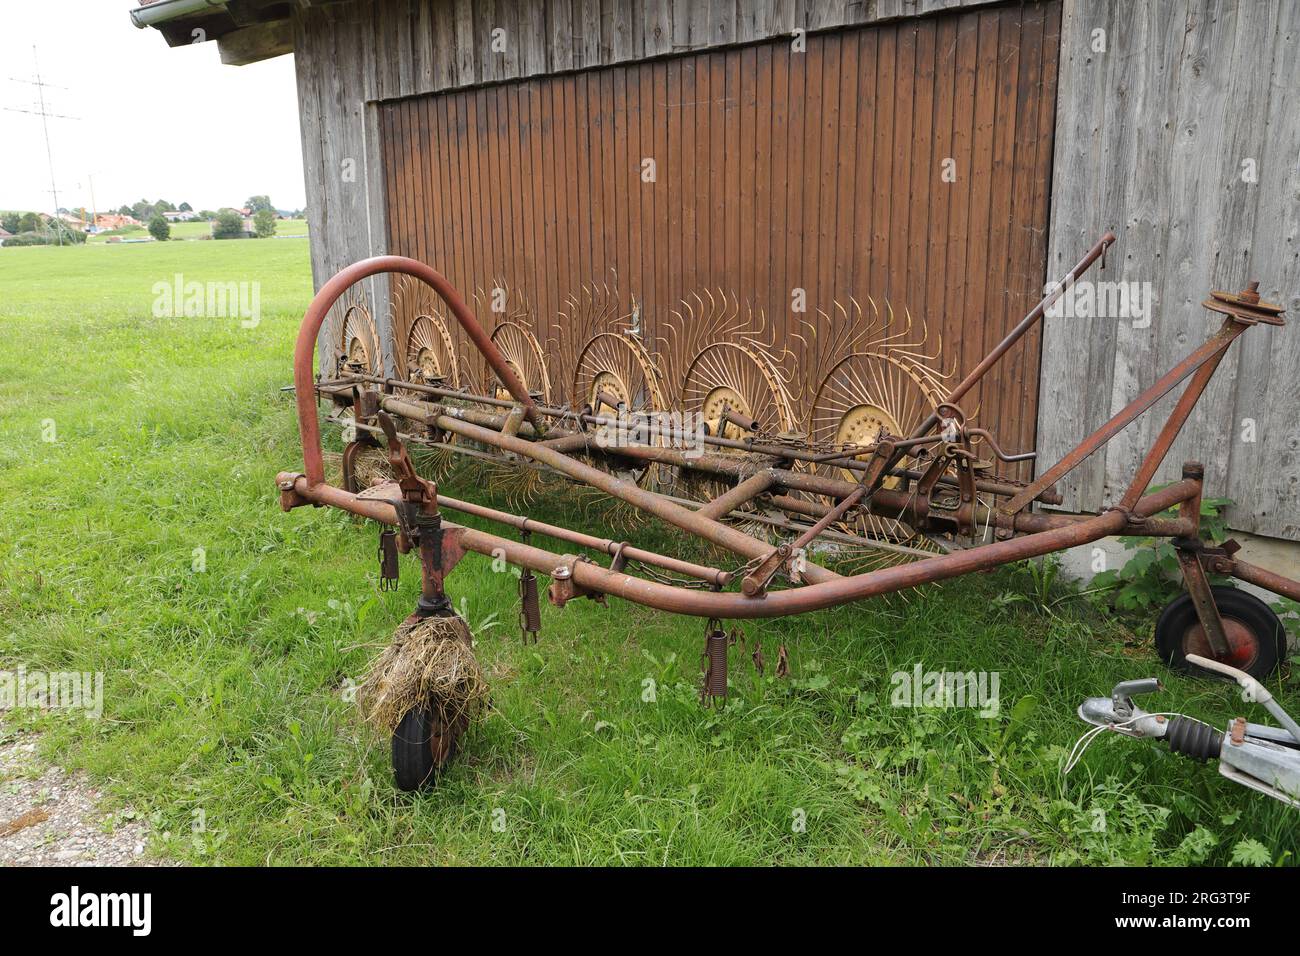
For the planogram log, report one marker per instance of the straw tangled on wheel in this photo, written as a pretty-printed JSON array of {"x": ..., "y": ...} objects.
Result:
[{"x": 429, "y": 664}]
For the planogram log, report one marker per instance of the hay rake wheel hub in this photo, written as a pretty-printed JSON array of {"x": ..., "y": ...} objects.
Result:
[
  {"x": 524, "y": 357},
  {"x": 429, "y": 351},
  {"x": 741, "y": 379},
  {"x": 718, "y": 409},
  {"x": 614, "y": 365},
  {"x": 615, "y": 377},
  {"x": 608, "y": 393},
  {"x": 354, "y": 339},
  {"x": 909, "y": 461},
  {"x": 862, "y": 426}
]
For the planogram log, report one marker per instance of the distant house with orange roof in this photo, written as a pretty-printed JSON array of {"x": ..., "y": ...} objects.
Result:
[{"x": 112, "y": 220}]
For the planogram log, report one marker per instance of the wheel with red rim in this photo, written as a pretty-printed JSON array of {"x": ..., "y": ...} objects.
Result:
[{"x": 1256, "y": 640}]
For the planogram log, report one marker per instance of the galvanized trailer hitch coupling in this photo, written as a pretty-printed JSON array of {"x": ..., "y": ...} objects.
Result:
[{"x": 1257, "y": 756}]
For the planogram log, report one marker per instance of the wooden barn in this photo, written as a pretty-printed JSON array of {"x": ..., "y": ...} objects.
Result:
[{"x": 949, "y": 157}]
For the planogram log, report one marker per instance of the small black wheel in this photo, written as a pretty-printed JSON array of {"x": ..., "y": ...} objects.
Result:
[
  {"x": 1256, "y": 640},
  {"x": 422, "y": 746}
]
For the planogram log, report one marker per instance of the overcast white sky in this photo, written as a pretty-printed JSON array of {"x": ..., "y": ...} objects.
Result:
[{"x": 156, "y": 122}]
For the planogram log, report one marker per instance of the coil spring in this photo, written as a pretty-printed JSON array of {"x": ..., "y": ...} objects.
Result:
[
  {"x": 530, "y": 607},
  {"x": 1193, "y": 738},
  {"x": 716, "y": 649}
]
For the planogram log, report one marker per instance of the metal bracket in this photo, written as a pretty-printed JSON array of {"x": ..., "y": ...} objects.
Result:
[
  {"x": 1198, "y": 587},
  {"x": 564, "y": 588},
  {"x": 289, "y": 497}
]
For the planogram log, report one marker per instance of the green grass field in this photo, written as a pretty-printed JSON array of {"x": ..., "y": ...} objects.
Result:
[
  {"x": 144, "y": 540},
  {"x": 284, "y": 228}
]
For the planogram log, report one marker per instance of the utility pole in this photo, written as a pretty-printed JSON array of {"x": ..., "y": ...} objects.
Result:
[
  {"x": 94, "y": 213},
  {"x": 45, "y": 116}
]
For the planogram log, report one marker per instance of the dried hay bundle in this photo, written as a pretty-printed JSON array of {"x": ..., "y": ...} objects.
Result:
[
  {"x": 429, "y": 664},
  {"x": 371, "y": 466}
]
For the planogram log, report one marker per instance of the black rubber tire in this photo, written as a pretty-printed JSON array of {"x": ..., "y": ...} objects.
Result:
[
  {"x": 1261, "y": 627},
  {"x": 413, "y": 763}
]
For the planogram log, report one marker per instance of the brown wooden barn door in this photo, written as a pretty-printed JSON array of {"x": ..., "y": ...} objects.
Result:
[{"x": 907, "y": 163}]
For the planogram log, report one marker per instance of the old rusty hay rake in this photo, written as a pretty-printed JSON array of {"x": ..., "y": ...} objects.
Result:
[{"x": 713, "y": 427}]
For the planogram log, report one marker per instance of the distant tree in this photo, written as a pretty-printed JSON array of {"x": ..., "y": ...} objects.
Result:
[
  {"x": 30, "y": 222},
  {"x": 229, "y": 225},
  {"x": 143, "y": 210},
  {"x": 160, "y": 228},
  {"x": 258, "y": 203},
  {"x": 9, "y": 222},
  {"x": 208, "y": 214},
  {"x": 124, "y": 210},
  {"x": 264, "y": 224},
  {"x": 185, "y": 207},
  {"x": 162, "y": 205}
]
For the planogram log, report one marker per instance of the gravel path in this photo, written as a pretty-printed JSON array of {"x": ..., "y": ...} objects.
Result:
[{"x": 49, "y": 817}]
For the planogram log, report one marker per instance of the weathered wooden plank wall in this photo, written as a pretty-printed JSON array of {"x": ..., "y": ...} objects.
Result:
[
  {"x": 341, "y": 160},
  {"x": 861, "y": 206},
  {"x": 819, "y": 170},
  {"x": 1153, "y": 136},
  {"x": 351, "y": 55}
]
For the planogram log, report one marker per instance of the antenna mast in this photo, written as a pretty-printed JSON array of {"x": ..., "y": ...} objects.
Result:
[{"x": 45, "y": 116}]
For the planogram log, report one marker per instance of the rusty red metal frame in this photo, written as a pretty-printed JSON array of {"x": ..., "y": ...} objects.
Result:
[
  {"x": 305, "y": 347},
  {"x": 519, "y": 427}
]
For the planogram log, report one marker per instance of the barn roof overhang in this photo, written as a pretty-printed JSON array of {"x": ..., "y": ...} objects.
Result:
[{"x": 245, "y": 30}]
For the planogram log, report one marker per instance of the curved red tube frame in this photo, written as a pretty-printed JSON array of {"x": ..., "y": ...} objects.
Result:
[
  {"x": 731, "y": 604},
  {"x": 311, "y": 487},
  {"x": 305, "y": 348}
]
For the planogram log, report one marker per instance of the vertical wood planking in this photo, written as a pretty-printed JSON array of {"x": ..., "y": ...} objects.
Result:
[
  {"x": 765, "y": 292},
  {"x": 629, "y": 176},
  {"x": 980, "y": 189},
  {"x": 730, "y": 160},
  {"x": 882, "y": 155},
  {"x": 609, "y": 173},
  {"x": 745, "y": 106},
  {"x": 1152, "y": 136},
  {"x": 673, "y": 178},
  {"x": 1021, "y": 209},
  {"x": 845, "y": 181},
  {"x": 900, "y": 183},
  {"x": 582, "y": 179},
  {"x": 686, "y": 113},
  {"x": 774, "y": 170},
  {"x": 859, "y": 233},
  {"x": 959, "y": 189},
  {"x": 1264, "y": 476},
  {"x": 716, "y": 163},
  {"x": 823, "y": 204},
  {"x": 1005, "y": 81},
  {"x": 777, "y": 190},
  {"x": 922, "y": 165},
  {"x": 659, "y": 188},
  {"x": 796, "y": 141},
  {"x": 619, "y": 175}
]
